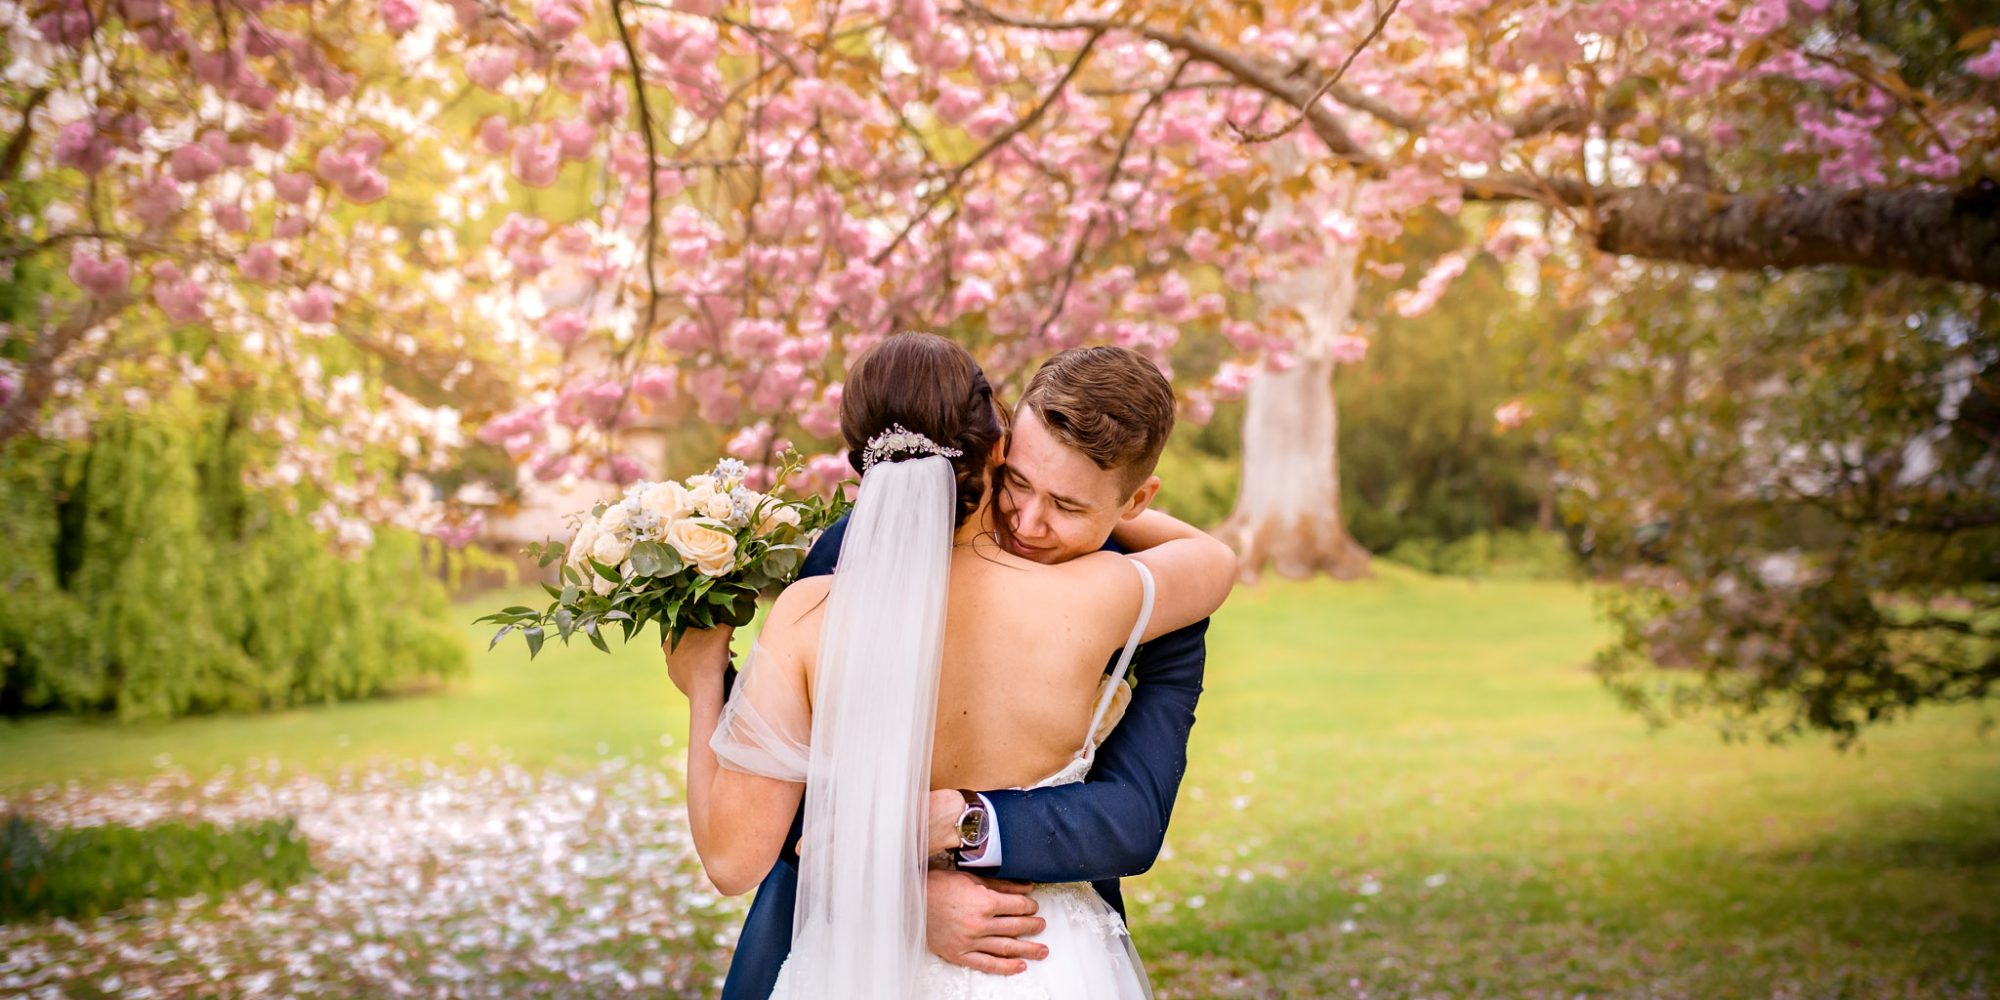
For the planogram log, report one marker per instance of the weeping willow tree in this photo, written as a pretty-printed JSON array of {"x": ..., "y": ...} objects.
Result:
[{"x": 139, "y": 576}]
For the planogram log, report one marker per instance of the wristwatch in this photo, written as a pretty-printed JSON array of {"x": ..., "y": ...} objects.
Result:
[{"x": 974, "y": 824}]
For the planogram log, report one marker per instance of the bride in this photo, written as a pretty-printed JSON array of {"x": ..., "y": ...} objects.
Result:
[{"x": 932, "y": 658}]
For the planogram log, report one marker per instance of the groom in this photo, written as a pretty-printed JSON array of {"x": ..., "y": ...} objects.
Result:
[{"x": 1080, "y": 460}]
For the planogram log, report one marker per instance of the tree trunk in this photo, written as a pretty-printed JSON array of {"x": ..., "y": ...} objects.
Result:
[{"x": 1288, "y": 504}]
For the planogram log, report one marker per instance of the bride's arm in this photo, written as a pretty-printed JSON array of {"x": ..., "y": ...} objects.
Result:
[
  {"x": 1192, "y": 571},
  {"x": 739, "y": 820}
]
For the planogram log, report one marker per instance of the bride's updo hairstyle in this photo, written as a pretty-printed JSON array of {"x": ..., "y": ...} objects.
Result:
[{"x": 932, "y": 386}]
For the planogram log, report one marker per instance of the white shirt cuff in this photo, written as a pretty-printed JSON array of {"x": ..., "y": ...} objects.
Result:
[{"x": 988, "y": 854}]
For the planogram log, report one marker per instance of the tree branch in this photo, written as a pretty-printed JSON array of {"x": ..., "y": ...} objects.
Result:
[
  {"x": 1331, "y": 81},
  {"x": 38, "y": 375},
  {"x": 645, "y": 113},
  {"x": 1026, "y": 122}
]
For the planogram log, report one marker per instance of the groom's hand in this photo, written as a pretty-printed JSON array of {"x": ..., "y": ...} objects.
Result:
[{"x": 979, "y": 923}]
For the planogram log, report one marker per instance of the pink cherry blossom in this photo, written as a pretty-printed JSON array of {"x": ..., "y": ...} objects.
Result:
[
  {"x": 101, "y": 278},
  {"x": 293, "y": 187},
  {"x": 575, "y": 139},
  {"x": 314, "y": 305},
  {"x": 80, "y": 146},
  {"x": 1348, "y": 349},
  {"x": 560, "y": 18},
  {"x": 1986, "y": 64},
  {"x": 231, "y": 217},
  {"x": 489, "y": 66},
  {"x": 177, "y": 296},
  {"x": 566, "y": 327},
  {"x": 537, "y": 158},
  {"x": 399, "y": 16},
  {"x": 495, "y": 135},
  {"x": 260, "y": 263},
  {"x": 156, "y": 201},
  {"x": 194, "y": 163},
  {"x": 655, "y": 383}
]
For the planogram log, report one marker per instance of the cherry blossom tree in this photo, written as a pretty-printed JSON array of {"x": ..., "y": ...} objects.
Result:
[{"x": 698, "y": 210}]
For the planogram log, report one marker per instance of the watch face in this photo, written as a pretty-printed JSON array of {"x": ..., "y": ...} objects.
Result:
[{"x": 972, "y": 828}]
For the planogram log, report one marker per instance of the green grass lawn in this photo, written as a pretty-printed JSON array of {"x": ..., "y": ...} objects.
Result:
[{"x": 1408, "y": 786}]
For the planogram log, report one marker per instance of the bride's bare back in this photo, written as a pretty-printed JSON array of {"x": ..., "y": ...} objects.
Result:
[{"x": 1025, "y": 648}]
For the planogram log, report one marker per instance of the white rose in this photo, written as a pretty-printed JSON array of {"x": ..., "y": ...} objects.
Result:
[
  {"x": 667, "y": 501},
  {"x": 611, "y": 548},
  {"x": 601, "y": 586},
  {"x": 586, "y": 536},
  {"x": 718, "y": 507},
  {"x": 701, "y": 482},
  {"x": 777, "y": 516},
  {"x": 617, "y": 520},
  {"x": 708, "y": 546}
]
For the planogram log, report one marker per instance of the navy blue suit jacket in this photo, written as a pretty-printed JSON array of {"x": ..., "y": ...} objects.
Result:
[{"x": 1109, "y": 826}]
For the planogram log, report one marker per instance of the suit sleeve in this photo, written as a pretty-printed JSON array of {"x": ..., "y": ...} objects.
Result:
[{"x": 1112, "y": 824}]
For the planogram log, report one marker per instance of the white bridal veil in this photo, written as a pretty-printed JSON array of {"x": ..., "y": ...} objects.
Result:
[{"x": 859, "y": 923}]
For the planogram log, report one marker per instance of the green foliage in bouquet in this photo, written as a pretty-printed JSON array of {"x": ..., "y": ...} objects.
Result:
[{"x": 689, "y": 554}]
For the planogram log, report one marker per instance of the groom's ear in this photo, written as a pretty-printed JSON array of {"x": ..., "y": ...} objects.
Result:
[{"x": 1141, "y": 498}]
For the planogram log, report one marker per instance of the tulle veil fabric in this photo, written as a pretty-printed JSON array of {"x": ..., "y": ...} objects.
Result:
[{"x": 858, "y": 929}]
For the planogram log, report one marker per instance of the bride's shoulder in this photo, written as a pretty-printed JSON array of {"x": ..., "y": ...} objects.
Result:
[{"x": 800, "y": 599}]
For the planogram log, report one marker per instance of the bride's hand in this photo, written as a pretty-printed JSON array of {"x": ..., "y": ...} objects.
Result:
[{"x": 699, "y": 658}]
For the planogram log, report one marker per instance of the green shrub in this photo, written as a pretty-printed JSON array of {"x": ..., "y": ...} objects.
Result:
[
  {"x": 139, "y": 576},
  {"x": 83, "y": 872},
  {"x": 1498, "y": 555}
]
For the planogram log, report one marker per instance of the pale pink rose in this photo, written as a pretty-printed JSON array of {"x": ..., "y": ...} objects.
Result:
[
  {"x": 260, "y": 263},
  {"x": 194, "y": 163},
  {"x": 314, "y": 305},
  {"x": 495, "y": 135},
  {"x": 100, "y": 278},
  {"x": 489, "y": 66},
  {"x": 399, "y": 16},
  {"x": 293, "y": 187},
  {"x": 566, "y": 327}
]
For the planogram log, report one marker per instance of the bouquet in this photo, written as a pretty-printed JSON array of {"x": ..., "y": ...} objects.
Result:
[{"x": 689, "y": 554}]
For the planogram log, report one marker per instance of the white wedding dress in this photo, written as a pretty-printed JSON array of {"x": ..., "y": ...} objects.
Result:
[{"x": 1090, "y": 951}]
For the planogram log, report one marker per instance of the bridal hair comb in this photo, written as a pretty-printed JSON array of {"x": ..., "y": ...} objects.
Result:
[{"x": 900, "y": 441}]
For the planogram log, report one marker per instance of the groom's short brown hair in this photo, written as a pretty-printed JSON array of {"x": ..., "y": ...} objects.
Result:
[{"x": 1110, "y": 403}]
